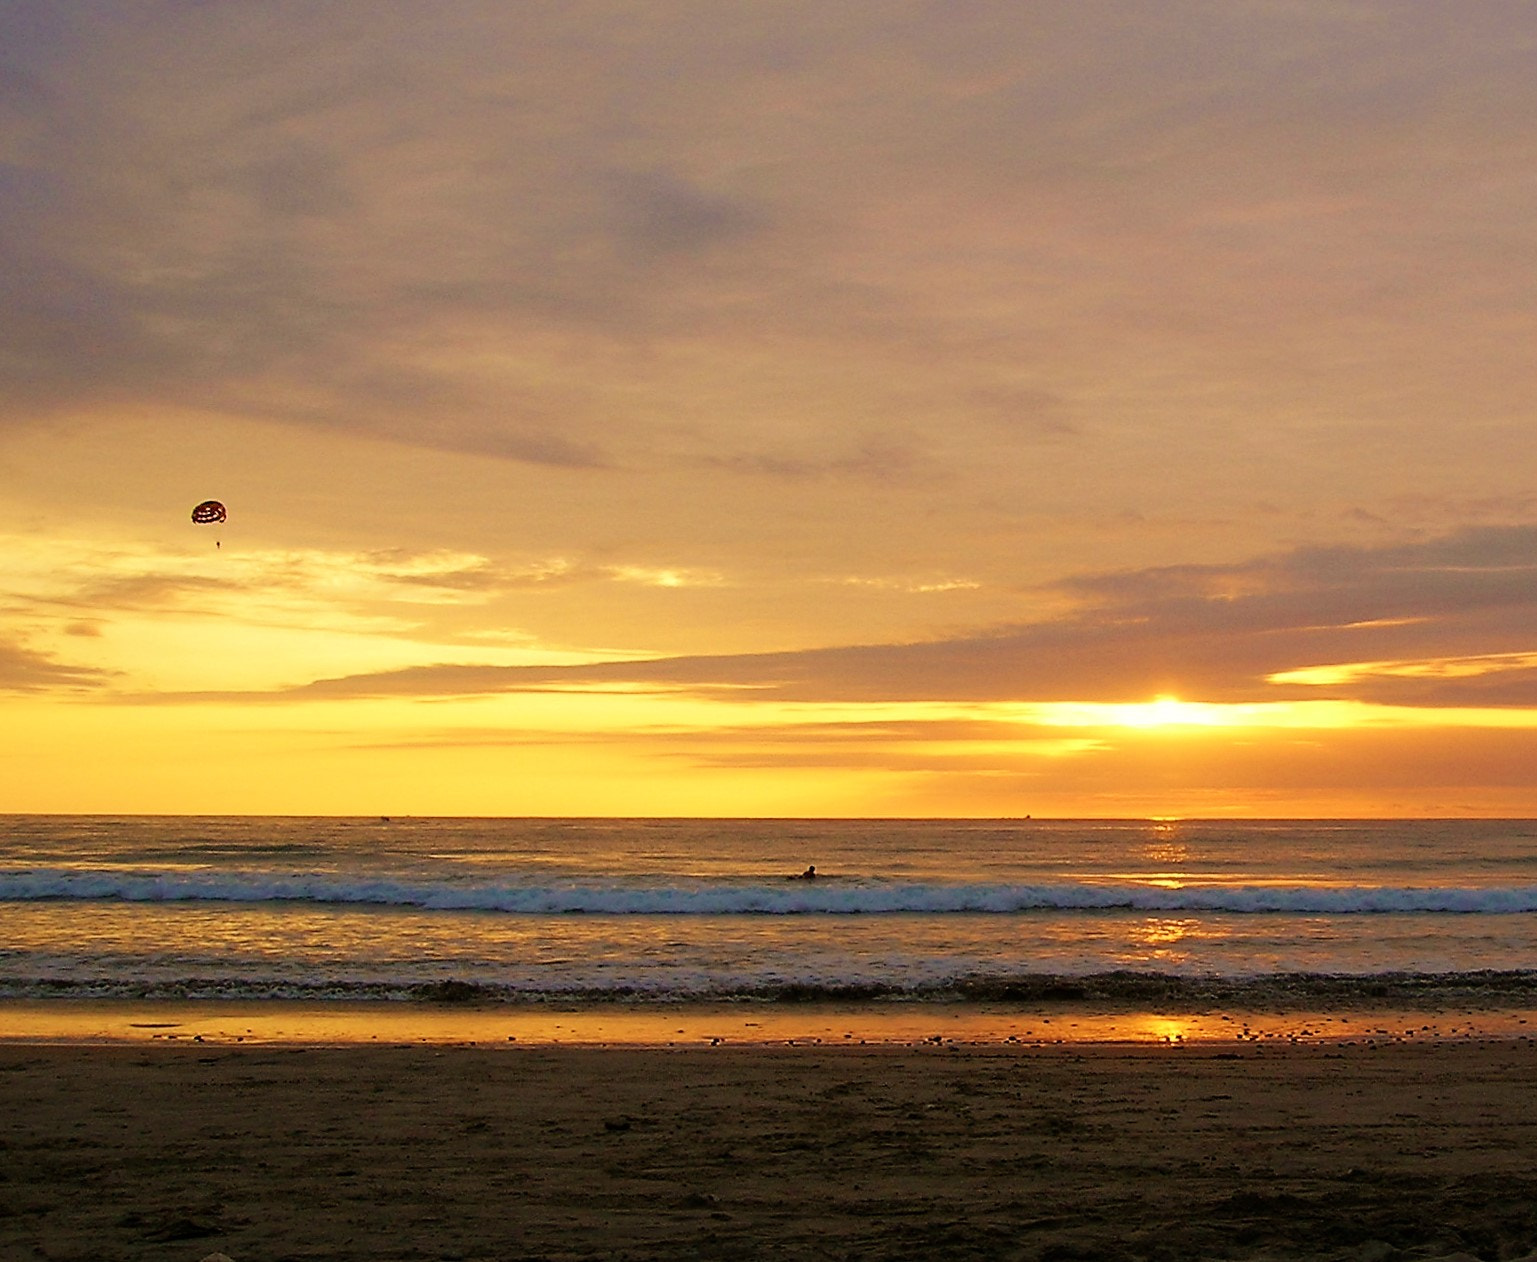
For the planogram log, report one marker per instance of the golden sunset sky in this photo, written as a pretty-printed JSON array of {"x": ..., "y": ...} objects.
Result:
[{"x": 971, "y": 407}]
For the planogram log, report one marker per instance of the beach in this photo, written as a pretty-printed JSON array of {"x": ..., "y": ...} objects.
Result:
[
  {"x": 1358, "y": 1148},
  {"x": 350, "y": 1039}
]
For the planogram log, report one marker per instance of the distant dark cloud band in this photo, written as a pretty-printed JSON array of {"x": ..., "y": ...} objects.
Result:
[{"x": 1210, "y": 633}]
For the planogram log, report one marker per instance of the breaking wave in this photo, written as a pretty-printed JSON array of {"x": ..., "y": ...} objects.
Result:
[
  {"x": 1139, "y": 989},
  {"x": 848, "y": 896}
]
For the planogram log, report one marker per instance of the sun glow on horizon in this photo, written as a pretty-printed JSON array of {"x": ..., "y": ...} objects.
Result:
[
  {"x": 1170, "y": 713},
  {"x": 1161, "y": 712}
]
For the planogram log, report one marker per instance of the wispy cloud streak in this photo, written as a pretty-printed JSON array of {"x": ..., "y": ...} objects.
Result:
[{"x": 1209, "y": 633}]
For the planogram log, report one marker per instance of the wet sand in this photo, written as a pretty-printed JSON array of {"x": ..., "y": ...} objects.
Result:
[
  {"x": 684, "y": 1024},
  {"x": 1362, "y": 1149}
]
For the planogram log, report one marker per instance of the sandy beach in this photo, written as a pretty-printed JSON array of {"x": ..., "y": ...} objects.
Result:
[{"x": 1353, "y": 1149}]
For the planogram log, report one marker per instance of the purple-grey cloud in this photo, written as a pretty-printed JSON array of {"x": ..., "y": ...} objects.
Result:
[
  {"x": 238, "y": 209},
  {"x": 660, "y": 213},
  {"x": 1213, "y": 633},
  {"x": 23, "y": 670}
]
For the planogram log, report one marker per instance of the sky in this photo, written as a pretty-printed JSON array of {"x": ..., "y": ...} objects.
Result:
[{"x": 952, "y": 408}]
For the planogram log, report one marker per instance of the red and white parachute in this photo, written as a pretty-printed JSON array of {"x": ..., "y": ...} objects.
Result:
[{"x": 210, "y": 513}]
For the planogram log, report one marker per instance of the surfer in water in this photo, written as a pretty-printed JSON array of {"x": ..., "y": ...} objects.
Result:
[{"x": 810, "y": 874}]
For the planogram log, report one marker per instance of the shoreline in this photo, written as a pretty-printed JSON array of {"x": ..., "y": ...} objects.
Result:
[{"x": 683, "y": 1024}]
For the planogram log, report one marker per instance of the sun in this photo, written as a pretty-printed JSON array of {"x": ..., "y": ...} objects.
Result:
[
  {"x": 1164, "y": 712},
  {"x": 1167, "y": 711}
]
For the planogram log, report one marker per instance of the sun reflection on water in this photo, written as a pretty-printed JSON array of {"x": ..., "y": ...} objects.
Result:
[
  {"x": 1161, "y": 941},
  {"x": 1158, "y": 931}
]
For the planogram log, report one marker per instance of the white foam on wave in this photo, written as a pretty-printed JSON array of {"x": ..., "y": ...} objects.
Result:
[
  {"x": 1513, "y": 987},
  {"x": 780, "y": 897}
]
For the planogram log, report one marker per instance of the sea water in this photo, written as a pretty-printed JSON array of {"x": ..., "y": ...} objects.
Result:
[{"x": 661, "y": 910}]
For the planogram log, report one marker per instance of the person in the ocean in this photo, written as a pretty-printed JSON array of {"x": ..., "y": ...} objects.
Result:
[{"x": 810, "y": 874}]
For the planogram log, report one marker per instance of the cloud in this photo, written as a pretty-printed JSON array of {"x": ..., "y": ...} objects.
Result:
[
  {"x": 130, "y": 580},
  {"x": 660, "y": 213},
  {"x": 598, "y": 237},
  {"x": 22, "y": 670},
  {"x": 1203, "y": 633},
  {"x": 142, "y": 592},
  {"x": 878, "y": 458}
]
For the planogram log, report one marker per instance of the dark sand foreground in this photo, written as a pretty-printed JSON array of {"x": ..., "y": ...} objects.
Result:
[{"x": 175, "y": 1151}]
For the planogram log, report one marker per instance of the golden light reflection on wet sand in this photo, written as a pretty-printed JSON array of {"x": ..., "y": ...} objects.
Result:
[{"x": 111, "y": 1021}]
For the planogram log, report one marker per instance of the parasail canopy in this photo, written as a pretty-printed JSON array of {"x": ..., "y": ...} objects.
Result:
[{"x": 208, "y": 511}]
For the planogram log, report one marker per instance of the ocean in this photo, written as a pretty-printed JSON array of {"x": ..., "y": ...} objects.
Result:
[{"x": 662, "y": 911}]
